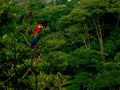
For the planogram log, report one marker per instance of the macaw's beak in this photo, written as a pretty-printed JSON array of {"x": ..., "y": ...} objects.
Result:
[{"x": 41, "y": 27}]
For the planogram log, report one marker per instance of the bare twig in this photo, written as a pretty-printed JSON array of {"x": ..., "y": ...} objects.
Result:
[
  {"x": 25, "y": 74},
  {"x": 8, "y": 79},
  {"x": 28, "y": 43}
]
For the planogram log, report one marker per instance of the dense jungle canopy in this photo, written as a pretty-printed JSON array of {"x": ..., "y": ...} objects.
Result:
[{"x": 79, "y": 48}]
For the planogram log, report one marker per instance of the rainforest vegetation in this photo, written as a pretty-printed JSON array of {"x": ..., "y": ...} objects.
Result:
[{"x": 79, "y": 48}]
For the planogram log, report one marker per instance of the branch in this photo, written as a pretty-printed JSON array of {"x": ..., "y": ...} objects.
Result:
[
  {"x": 25, "y": 74},
  {"x": 118, "y": 20},
  {"x": 28, "y": 43},
  {"x": 8, "y": 79}
]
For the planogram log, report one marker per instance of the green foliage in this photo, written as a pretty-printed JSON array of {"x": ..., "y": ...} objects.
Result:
[
  {"x": 117, "y": 57},
  {"x": 7, "y": 18},
  {"x": 59, "y": 63},
  {"x": 77, "y": 35},
  {"x": 77, "y": 15},
  {"x": 50, "y": 15},
  {"x": 107, "y": 78},
  {"x": 51, "y": 81},
  {"x": 81, "y": 81},
  {"x": 36, "y": 5},
  {"x": 55, "y": 44}
]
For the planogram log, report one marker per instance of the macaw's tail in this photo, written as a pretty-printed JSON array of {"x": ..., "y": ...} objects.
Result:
[{"x": 33, "y": 42}]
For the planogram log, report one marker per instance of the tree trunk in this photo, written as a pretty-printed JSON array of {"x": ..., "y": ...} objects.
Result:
[
  {"x": 118, "y": 20},
  {"x": 86, "y": 35},
  {"x": 99, "y": 35}
]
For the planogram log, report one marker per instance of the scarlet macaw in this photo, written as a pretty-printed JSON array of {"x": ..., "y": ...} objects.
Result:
[{"x": 36, "y": 35}]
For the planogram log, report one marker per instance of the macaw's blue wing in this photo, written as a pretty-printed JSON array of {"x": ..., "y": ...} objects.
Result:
[{"x": 34, "y": 40}]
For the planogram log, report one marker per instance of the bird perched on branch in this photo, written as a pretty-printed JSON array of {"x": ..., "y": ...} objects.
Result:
[{"x": 36, "y": 35}]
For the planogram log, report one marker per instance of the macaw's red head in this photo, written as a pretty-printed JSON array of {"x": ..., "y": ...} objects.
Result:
[
  {"x": 37, "y": 29},
  {"x": 39, "y": 26}
]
